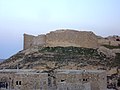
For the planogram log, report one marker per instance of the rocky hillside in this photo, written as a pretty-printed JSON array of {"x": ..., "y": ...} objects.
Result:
[{"x": 46, "y": 58}]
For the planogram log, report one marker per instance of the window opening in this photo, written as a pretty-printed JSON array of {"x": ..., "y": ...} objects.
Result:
[
  {"x": 19, "y": 82},
  {"x": 16, "y": 82},
  {"x": 62, "y": 80}
]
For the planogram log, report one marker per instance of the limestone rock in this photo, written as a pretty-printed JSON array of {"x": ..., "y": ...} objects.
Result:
[{"x": 106, "y": 51}]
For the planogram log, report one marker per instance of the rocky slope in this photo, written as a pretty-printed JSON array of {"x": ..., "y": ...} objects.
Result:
[{"x": 47, "y": 58}]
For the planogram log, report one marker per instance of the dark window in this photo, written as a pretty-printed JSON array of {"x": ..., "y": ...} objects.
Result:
[
  {"x": 19, "y": 82},
  {"x": 3, "y": 85},
  {"x": 16, "y": 82},
  {"x": 84, "y": 79},
  {"x": 117, "y": 39},
  {"x": 118, "y": 84},
  {"x": 48, "y": 74},
  {"x": 62, "y": 80}
]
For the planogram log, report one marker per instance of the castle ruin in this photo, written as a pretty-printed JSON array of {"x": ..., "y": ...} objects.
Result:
[{"x": 62, "y": 38}]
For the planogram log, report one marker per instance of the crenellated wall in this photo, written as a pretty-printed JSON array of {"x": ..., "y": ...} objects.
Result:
[{"x": 62, "y": 38}]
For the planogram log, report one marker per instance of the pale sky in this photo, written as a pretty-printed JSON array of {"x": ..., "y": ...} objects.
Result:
[{"x": 41, "y": 16}]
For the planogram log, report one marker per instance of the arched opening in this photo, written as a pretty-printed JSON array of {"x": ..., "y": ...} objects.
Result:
[{"x": 4, "y": 83}]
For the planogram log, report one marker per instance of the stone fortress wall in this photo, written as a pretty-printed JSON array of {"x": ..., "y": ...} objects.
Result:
[
  {"x": 30, "y": 40},
  {"x": 62, "y": 38},
  {"x": 39, "y": 40},
  {"x": 71, "y": 38},
  {"x": 111, "y": 40},
  {"x": 66, "y": 37}
]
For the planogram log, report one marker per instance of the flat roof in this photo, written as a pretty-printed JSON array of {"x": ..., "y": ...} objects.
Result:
[
  {"x": 31, "y": 73},
  {"x": 17, "y": 70},
  {"x": 22, "y": 71},
  {"x": 65, "y": 71}
]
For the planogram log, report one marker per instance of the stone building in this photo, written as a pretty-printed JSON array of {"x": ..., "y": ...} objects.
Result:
[
  {"x": 81, "y": 80},
  {"x": 25, "y": 79},
  {"x": 28, "y": 79},
  {"x": 62, "y": 38}
]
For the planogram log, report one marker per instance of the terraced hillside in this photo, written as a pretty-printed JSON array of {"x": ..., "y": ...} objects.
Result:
[{"x": 61, "y": 57}]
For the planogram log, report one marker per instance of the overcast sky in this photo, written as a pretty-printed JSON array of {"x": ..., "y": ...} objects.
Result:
[{"x": 41, "y": 16}]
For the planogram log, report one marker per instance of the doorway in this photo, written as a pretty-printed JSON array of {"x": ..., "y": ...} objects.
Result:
[{"x": 3, "y": 85}]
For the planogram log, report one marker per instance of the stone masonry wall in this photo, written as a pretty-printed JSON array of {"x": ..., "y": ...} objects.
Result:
[
  {"x": 31, "y": 81},
  {"x": 35, "y": 80},
  {"x": 26, "y": 81},
  {"x": 71, "y": 38},
  {"x": 28, "y": 40},
  {"x": 39, "y": 40},
  {"x": 62, "y": 38},
  {"x": 108, "y": 42},
  {"x": 97, "y": 80}
]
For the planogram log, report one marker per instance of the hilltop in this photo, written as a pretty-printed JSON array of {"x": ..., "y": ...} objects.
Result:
[{"x": 41, "y": 52}]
